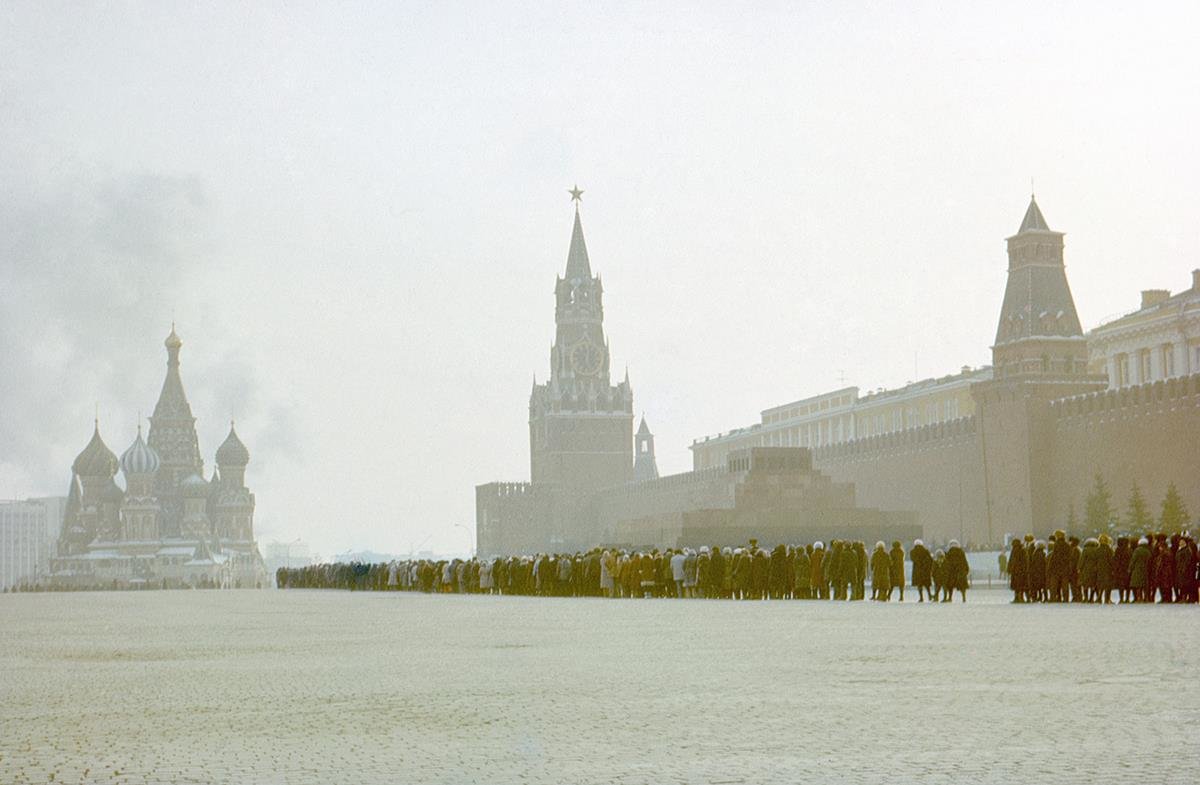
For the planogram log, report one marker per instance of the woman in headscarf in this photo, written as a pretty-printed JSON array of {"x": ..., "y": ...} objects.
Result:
[
  {"x": 881, "y": 572},
  {"x": 608, "y": 566}
]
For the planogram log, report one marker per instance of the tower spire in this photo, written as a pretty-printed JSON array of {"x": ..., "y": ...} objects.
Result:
[{"x": 578, "y": 267}]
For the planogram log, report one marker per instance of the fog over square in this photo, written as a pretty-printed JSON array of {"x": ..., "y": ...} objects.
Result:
[{"x": 354, "y": 217}]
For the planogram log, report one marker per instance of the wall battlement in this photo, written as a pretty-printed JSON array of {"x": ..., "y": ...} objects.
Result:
[
  {"x": 1181, "y": 390},
  {"x": 943, "y": 434}
]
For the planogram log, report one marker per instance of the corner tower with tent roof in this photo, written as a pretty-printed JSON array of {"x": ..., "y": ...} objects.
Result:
[{"x": 1040, "y": 355}]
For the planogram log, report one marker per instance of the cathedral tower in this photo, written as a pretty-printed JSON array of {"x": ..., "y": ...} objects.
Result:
[
  {"x": 140, "y": 511},
  {"x": 173, "y": 439},
  {"x": 233, "y": 503},
  {"x": 580, "y": 424}
]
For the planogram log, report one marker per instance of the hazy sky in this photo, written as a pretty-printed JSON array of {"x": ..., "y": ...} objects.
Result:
[{"x": 355, "y": 214}]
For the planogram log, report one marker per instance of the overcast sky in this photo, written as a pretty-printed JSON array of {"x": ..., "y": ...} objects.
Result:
[{"x": 355, "y": 214}]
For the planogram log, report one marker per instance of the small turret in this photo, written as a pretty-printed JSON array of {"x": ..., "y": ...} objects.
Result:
[{"x": 645, "y": 466}]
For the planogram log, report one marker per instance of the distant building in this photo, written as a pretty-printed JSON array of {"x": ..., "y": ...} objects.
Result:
[
  {"x": 285, "y": 554},
  {"x": 28, "y": 534},
  {"x": 169, "y": 525},
  {"x": 844, "y": 415},
  {"x": 1160, "y": 340}
]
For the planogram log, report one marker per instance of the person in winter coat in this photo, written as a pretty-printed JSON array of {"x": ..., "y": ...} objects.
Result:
[
  {"x": 957, "y": 570},
  {"x": 922, "y": 569},
  {"x": 802, "y": 565},
  {"x": 818, "y": 583},
  {"x": 1104, "y": 570},
  {"x": 1120, "y": 569},
  {"x": 1074, "y": 579},
  {"x": 833, "y": 570},
  {"x": 881, "y": 571},
  {"x": 716, "y": 573},
  {"x": 848, "y": 564},
  {"x": 1088, "y": 570},
  {"x": 1139, "y": 572},
  {"x": 1163, "y": 570},
  {"x": 778, "y": 571},
  {"x": 703, "y": 564},
  {"x": 897, "y": 573},
  {"x": 1185, "y": 570},
  {"x": 938, "y": 572},
  {"x": 1038, "y": 569},
  {"x": 1018, "y": 569},
  {"x": 860, "y": 575},
  {"x": 1058, "y": 568},
  {"x": 760, "y": 572},
  {"x": 689, "y": 572}
]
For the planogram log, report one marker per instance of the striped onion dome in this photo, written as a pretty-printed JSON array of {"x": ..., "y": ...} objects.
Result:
[
  {"x": 140, "y": 458},
  {"x": 96, "y": 460}
]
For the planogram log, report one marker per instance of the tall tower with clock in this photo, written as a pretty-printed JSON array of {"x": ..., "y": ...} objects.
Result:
[{"x": 580, "y": 423}]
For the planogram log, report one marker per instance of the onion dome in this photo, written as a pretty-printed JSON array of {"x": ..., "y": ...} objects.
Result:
[
  {"x": 232, "y": 452},
  {"x": 173, "y": 341},
  {"x": 140, "y": 458},
  {"x": 96, "y": 460},
  {"x": 193, "y": 486}
]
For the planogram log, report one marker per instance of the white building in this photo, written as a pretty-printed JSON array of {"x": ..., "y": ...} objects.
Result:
[
  {"x": 28, "y": 532},
  {"x": 844, "y": 415},
  {"x": 1159, "y": 340}
]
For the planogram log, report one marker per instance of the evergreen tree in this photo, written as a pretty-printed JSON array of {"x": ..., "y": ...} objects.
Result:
[
  {"x": 1174, "y": 511},
  {"x": 1139, "y": 519},
  {"x": 1099, "y": 511}
]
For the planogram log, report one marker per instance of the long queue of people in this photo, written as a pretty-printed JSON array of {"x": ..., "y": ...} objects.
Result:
[
  {"x": 840, "y": 571},
  {"x": 1137, "y": 569}
]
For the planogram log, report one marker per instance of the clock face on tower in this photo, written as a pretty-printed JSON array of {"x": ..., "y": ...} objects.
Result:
[{"x": 586, "y": 358}]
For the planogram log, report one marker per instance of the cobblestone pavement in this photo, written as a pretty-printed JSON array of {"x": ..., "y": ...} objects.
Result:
[{"x": 328, "y": 687}]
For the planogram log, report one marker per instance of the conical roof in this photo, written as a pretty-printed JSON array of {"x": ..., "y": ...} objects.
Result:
[
  {"x": 172, "y": 426},
  {"x": 232, "y": 452},
  {"x": 643, "y": 429},
  {"x": 1033, "y": 220},
  {"x": 96, "y": 460},
  {"x": 578, "y": 267}
]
